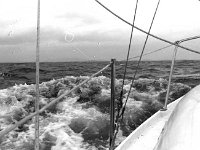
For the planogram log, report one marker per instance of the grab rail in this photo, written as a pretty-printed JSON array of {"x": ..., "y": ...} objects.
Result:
[
  {"x": 112, "y": 65},
  {"x": 170, "y": 77},
  {"x": 172, "y": 67}
]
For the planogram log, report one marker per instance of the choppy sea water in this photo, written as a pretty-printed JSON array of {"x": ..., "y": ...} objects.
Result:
[{"x": 81, "y": 119}]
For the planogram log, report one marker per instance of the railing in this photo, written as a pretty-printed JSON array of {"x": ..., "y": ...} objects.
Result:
[
  {"x": 112, "y": 65},
  {"x": 38, "y": 111},
  {"x": 172, "y": 67},
  {"x": 112, "y": 105},
  {"x": 112, "y": 102},
  {"x": 141, "y": 30}
]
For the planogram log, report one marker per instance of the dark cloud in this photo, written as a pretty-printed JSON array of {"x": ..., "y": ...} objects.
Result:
[
  {"x": 60, "y": 36},
  {"x": 29, "y": 37},
  {"x": 95, "y": 44},
  {"x": 14, "y": 39}
]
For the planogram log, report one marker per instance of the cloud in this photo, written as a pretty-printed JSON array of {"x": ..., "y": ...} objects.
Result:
[
  {"x": 29, "y": 36},
  {"x": 82, "y": 18},
  {"x": 59, "y": 36},
  {"x": 96, "y": 36},
  {"x": 3, "y": 24},
  {"x": 14, "y": 39}
]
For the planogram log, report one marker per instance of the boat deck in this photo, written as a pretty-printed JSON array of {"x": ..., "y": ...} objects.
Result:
[
  {"x": 146, "y": 136},
  {"x": 148, "y": 139}
]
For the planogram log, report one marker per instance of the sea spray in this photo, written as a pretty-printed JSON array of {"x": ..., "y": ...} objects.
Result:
[{"x": 81, "y": 119}]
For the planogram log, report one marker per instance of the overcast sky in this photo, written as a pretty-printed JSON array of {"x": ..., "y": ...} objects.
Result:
[{"x": 77, "y": 30}]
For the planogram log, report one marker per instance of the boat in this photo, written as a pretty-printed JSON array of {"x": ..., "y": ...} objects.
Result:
[{"x": 177, "y": 128}]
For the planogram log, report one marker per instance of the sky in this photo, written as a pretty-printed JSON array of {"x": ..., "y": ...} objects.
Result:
[{"x": 81, "y": 30}]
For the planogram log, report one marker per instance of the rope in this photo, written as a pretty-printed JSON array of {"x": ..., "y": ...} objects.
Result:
[
  {"x": 12, "y": 127},
  {"x": 159, "y": 38},
  {"x": 188, "y": 39},
  {"x": 37, "y": 79}
]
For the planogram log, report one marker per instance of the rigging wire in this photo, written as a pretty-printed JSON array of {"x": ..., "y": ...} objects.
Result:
[
  {"x": 141, "y": 30},
  {"x": 145, "y": 54},
  {"x": 129, "y": 46},
  {"x": 124, "y": 106},
  {"x": 162, "y": 48},
  {"x": 138, "y": 64},
  {"x": 127, "y": 58},
  {"x": 84, "y": 54},
  {"x": 149, "y": 34},
  {"x": 150, "y": 52},
  {"x": 117, "y": 126}
]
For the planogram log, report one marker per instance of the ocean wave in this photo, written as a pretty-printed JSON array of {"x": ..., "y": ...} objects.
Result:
[{"x": 81, "y": 119}]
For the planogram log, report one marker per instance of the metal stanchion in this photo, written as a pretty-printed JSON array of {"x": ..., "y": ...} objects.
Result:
[
  {"x": 170, "y": 77},
  {"x": 172, "y": 67},
  {"x": 112, "y": 104},
  {"x": 37, "y": 80}
]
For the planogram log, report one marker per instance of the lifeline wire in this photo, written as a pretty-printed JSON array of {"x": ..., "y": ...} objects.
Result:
[{"x": 141, "y": 30}]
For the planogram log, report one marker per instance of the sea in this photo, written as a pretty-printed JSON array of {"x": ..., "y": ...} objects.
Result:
[{"x": 80, "y": 120}]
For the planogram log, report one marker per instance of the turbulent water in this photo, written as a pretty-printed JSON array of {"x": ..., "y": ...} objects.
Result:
[{"x": 81, "y": 119}]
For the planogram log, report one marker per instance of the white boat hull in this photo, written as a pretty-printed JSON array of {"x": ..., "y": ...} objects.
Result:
[{"x": 178, "y": 128}]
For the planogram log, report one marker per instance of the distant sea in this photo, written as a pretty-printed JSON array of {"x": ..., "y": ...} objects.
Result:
[
  {"x": 20, "y": 73},
  {"x": 80, "y": 120}
]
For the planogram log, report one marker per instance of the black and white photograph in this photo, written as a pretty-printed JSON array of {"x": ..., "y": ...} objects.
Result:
[{"x": 99, "y": 74}]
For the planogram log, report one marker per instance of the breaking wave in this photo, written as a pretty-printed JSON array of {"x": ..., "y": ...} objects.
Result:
[{"x": 79, "y": 121}]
